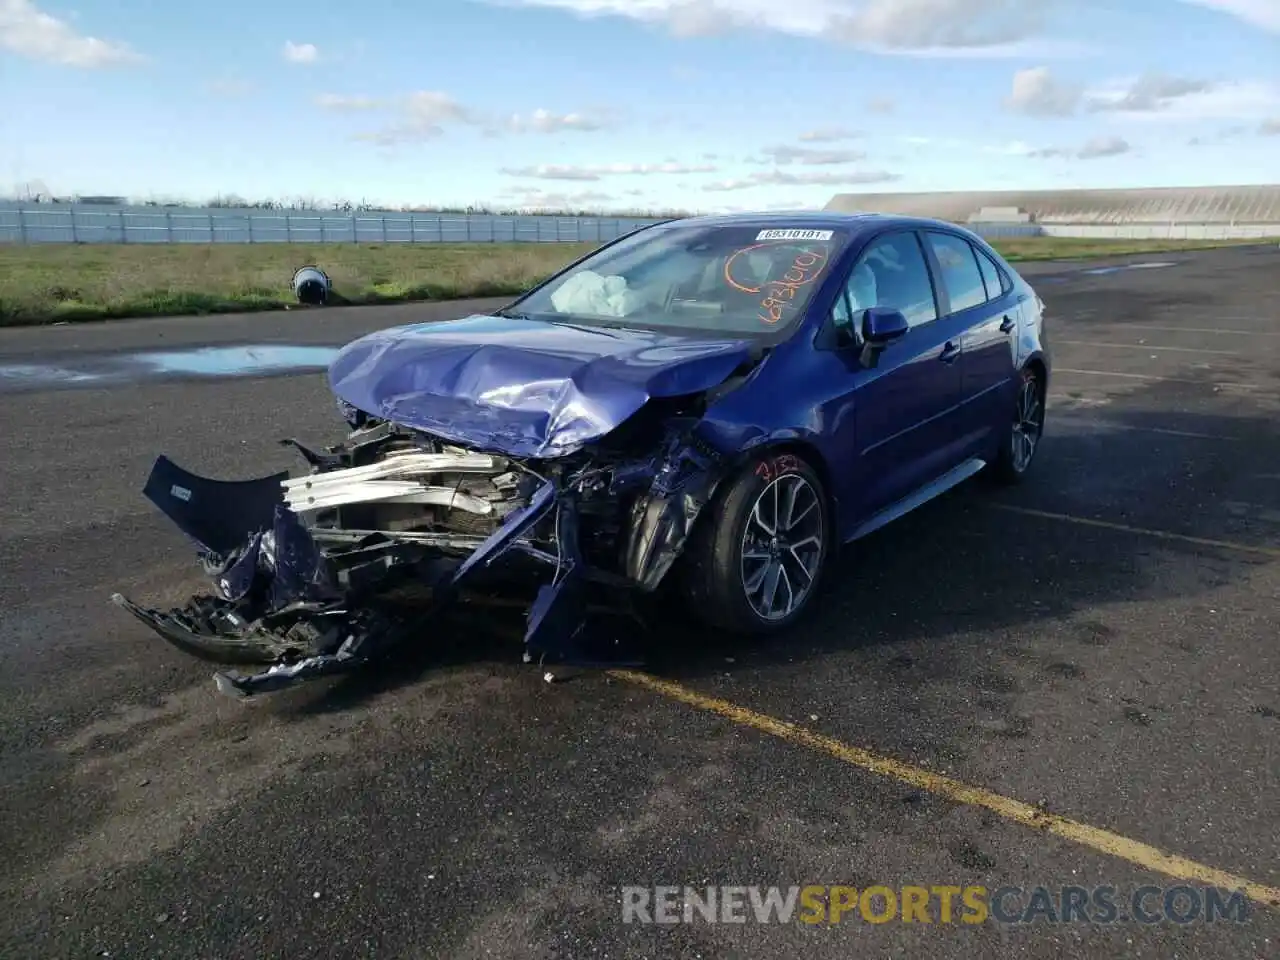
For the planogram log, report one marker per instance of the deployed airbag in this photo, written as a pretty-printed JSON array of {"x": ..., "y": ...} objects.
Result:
[{"x": 595, "y": 295}]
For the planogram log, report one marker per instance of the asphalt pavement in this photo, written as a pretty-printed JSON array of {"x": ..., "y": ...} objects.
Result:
[{"x": 1098, "y": 645}]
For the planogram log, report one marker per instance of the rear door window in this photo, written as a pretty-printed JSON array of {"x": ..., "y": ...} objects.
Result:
[{"x": 961, "y": 276}]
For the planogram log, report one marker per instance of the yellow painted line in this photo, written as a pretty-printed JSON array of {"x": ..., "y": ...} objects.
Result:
[
  {"x": 1148, "y": 376},
  {"x": 1143, "y": 531},
  {"x": 1144, "y": 346},
  {"x": 1102, "y": 841}
]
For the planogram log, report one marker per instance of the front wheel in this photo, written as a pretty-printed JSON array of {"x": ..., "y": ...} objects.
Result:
[
  {"x": 1026, "y": 427},
  {"x": 757, "y": 559}
]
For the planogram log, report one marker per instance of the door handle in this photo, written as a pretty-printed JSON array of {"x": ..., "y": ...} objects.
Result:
[
  {"x": 949, "y": 353},
  {"x": 1006, "y": 324}
]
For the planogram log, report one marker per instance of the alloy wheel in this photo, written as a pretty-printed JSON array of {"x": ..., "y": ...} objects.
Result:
[
  {"x": 1028, "y": 423},
  {"x": 782, "y": 547}
]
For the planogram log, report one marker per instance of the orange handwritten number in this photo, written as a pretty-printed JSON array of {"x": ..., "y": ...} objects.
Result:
[{"x": 767, "y": 470}]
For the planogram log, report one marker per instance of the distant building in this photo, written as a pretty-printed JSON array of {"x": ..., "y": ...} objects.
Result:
[
  {"x": 1171, "y": 205},
  {"x": 104, "y": 201}
]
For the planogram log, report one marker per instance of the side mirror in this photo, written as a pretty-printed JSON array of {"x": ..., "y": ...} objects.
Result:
[{"x": 883, "y": 325}]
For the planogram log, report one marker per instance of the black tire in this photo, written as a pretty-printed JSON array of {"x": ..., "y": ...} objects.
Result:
[
  {"x": 1009, "y": 468},
  {"x": 715, "y": 573}
]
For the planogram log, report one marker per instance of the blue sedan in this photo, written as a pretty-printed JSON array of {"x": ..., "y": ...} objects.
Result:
[{"x": 712, "y": 403}]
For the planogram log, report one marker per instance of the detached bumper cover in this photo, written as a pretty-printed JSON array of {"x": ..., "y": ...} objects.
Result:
[{"x": 310, "y": 601}]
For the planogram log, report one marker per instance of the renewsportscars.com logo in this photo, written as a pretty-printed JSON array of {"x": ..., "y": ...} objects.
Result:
[{"x": 938, "y": 904}]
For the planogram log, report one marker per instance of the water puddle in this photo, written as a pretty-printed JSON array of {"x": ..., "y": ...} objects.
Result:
[
  {"x": 38, "y": 373},
  {"x": 238, "y": 361},
  {"x": 102, "y": 369}
]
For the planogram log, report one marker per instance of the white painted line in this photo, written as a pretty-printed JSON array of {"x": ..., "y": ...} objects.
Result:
[
  {"x": 1113, "y": 425},
  {"x": 1144, "y": 376},
  {"x": 1146, "y": 346},
  {"x": 1143, "y": 531},
  {"x": 1079, "y": 401},
  {"x": 1251, "y": 511},
  {"x": 1221, "y": 330}
]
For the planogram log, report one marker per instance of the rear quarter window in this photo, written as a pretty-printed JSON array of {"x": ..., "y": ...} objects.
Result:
[{"x": 993, "y": 275}]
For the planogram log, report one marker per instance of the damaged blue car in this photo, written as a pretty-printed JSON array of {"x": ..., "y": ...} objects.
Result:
[{"x": 711, "y": 405}]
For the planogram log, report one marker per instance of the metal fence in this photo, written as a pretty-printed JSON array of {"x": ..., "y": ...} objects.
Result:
[
  {"x": 148, "y": 225},
  {"x": 76, "y": 224}
]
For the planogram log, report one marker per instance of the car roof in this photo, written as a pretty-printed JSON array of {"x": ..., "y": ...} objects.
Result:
[{"x": 813, "y": 220}]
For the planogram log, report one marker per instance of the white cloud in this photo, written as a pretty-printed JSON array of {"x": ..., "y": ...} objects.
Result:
[
  {"x": 300, "y": 52},
  {"x": 1226, "y": 135},
  {"x": 1104, "y": 147},
  {"x": 1269, "y": 128},
  {"x": 829, "y": 178},
  {"x": 558, "y": 172},
  {"x": 829, "y": 135},
  {"x": 1016, "y": 148},
  {"x": 1148, "y": 99},
  {"x": 935, "y": 27},
  {"x": 789, "y": 205},
  {"x": 544, "y": 121},
  {"x": 421, "y": 116},
  {"x": 425, "y": 114},
  {"x": 535, "y": 198},
  {"x": 942, "y": 24},
  {"x": 882, "y": 105},
  {"x": 1149, "y": 93},
  {"x": 29, "y": 32},
  {"x": 808, "y": 157},
  {"x": 346, "y": 103},
  {"x": 1264, "y": 14},
  {"x": 1095, "y": 149},
  {"x": 1036, "y": 92}
]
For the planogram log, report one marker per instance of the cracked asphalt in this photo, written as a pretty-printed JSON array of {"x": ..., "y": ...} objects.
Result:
[{"x": 458, "y": 806}]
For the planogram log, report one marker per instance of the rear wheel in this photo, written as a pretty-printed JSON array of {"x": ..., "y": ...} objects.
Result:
[
  {"x": 757, "y": 558},
  {"x": 1022, "y": 439}
]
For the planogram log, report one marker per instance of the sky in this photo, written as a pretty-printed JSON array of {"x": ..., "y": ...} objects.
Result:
[{"x": 700, "y": 105}]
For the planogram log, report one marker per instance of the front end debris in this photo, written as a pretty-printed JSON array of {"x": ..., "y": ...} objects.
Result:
[{"x": 323, "y": 573}]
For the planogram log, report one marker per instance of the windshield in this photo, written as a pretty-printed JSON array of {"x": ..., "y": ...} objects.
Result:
[{"x": 739, "y": 279}]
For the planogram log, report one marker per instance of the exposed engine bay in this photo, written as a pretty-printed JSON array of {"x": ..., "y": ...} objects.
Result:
[{"x": 320, "y": 573}]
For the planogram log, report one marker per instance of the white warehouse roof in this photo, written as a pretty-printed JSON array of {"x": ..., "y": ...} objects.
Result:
[{"x": 1244, "y": 204}]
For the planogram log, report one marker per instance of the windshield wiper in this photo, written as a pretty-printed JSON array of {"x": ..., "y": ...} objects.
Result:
[
  {"x": 587, "y": 328},
  {"x": 548, "y": 318}
]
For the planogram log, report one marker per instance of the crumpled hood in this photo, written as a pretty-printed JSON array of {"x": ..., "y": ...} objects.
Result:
[{"x": 523, "y": 387}]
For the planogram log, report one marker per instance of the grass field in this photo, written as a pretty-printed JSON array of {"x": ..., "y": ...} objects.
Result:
[{"x": 49, "y": 283}]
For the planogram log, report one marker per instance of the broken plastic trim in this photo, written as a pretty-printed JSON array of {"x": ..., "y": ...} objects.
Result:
[{"x": 312, "y": 601}]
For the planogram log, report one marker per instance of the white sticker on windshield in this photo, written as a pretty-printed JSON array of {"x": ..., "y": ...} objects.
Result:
[{"x": 794, "y": 235}]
